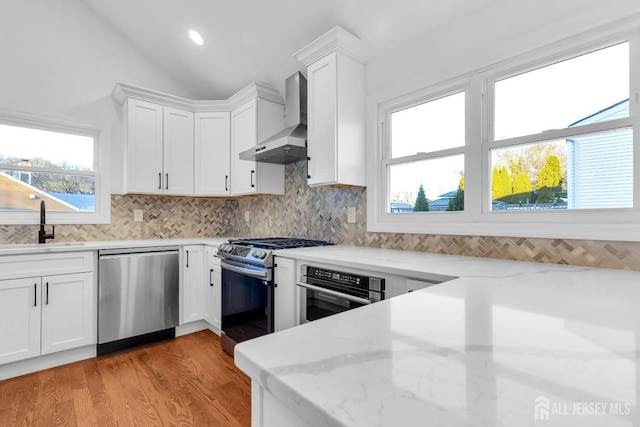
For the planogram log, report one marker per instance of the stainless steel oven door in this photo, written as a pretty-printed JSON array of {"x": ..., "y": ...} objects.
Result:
[
  {"x": 317, "y": 302},
  {"x": 247, "y": 302}
]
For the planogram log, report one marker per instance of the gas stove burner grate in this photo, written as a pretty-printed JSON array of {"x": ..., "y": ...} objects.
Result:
[{"x": 279, "y": 242}]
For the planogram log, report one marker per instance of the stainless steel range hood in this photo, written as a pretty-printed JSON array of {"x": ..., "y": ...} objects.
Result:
[{"x": 290, "y": 144}]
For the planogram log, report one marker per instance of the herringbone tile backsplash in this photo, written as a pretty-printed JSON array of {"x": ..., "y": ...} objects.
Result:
[
  {"x": 315, "y": 213},
  {"x": 164, "y": 218},
  {"x": 321, "y": 213}
]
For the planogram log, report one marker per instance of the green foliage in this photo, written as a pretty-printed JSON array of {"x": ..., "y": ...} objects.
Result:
[
  {"x": 49, "y": 182},
  {"x": 522, "y": 183},
  {"x": 422, "y": 204},
  {"x": 549, "y": 180},
  {"x": 500, "y": 183},
  {"x": 457, "y": 202}
]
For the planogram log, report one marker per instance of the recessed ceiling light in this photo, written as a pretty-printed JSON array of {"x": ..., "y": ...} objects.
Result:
[{"x": 196, "y": 37}]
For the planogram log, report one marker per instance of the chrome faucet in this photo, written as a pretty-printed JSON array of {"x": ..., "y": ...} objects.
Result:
[{"x": 42, "y": 235}]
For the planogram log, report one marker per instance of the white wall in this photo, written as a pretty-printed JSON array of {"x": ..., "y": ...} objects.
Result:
[
  {"x": 505, "y": 30},
  {"x": 60, "y": 58}
]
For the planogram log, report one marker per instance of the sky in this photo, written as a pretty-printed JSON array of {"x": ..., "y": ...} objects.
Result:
[{"x": 27, "y": 143}]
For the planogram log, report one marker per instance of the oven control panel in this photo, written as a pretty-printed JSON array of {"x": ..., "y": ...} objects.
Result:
[
  {"x": 348, "y": 280},
  {"x": 334, "y": 276}
]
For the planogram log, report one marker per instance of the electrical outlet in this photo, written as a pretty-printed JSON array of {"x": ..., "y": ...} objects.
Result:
[
  {"x": 138, "y": 215},
  {"x": 351, "y": 214},
  {"x": 246, "y": 216}
]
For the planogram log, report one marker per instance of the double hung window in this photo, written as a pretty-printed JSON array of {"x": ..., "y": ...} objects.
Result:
[
  {"x": 562, "y": 135},
  {"x": 425, "y": 164},
  {"x": 54, "y": 162}
]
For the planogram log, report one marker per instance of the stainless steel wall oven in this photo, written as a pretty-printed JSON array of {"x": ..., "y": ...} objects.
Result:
[{"x": 325, "y": 292}]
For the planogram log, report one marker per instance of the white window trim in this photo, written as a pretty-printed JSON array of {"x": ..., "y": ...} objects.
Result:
[
  {"x": 102, "y": 213},
  {"x": 478, "y": 219}
]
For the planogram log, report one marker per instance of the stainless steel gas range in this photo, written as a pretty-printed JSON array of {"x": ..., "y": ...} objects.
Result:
[{"x": 248, "y": 288}]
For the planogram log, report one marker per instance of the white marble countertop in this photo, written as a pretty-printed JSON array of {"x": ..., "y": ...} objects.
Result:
[
  {"x": 28, "y": 249},
  {"x": 506, "y": 344}
]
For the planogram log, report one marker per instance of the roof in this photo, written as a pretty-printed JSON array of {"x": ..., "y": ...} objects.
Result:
[
  {"x": 603, "y": 114},
  {"x": 22, "y": 196}
]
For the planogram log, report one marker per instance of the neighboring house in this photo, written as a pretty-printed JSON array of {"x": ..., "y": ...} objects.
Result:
[
  {"x": 397, "y": 207},
  {"x": 84, "y": 202},
  {"x": 600, "y": 166},
  {"x": 442, "y": 204},
  {"x": 18, "y": 195}
]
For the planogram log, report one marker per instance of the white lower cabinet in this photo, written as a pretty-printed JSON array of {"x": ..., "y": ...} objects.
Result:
[
  {"x": 286, "y": 295},
  {"x": 213, "y": 289},
  {"x": 192, "y": 284},
  {"x": 42, "y": 315},
  {"x": 20, "y": 314}
]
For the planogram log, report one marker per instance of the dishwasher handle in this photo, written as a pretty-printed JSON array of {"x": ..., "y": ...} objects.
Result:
[{"x": 117, "y": 253}]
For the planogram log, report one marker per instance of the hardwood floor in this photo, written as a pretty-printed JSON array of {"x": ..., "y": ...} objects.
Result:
[{"x": 188, "y": 381}]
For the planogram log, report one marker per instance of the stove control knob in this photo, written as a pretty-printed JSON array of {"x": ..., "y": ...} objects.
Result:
[{"x": 259, "y": 253}]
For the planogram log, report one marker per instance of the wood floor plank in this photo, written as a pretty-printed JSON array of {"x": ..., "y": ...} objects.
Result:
[{"x": 188, "y": 381}]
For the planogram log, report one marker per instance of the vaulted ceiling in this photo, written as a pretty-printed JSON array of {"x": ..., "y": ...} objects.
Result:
[{"x": 254, "y": 40}]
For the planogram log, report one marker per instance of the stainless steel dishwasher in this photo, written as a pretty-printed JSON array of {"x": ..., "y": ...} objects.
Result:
[{"x": 138, "y": 298}]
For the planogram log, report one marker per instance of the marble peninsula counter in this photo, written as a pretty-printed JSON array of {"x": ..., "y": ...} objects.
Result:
[{"x": 507, "y": 343}]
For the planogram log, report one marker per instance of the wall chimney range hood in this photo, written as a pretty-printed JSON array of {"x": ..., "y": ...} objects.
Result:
[{"x": 290, "y": 144}]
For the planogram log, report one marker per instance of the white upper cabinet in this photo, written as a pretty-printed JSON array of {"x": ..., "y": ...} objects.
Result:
[
  {"x": 159, "y": 149},
  {"x": 212, "y": 153},
  {"x": 336, "y": 117},
  {"x": 252, "y": 123},
  {"x": 178, "y": 152},
  {"x": 144, "y": 147},
  {"x": 181, "y": 147}
]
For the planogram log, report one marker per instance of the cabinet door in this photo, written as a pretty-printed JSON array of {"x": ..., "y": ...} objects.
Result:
[
  {"x": 244, "y": 135},
  {"x": 286, "y": 299},
  {"x": 68, "y": 307},
  {"x": 19, "y": 319},
  {"x": 192, "y": 283},
  {"x": 212, "y": 153},
  {"x": 144, "y": 147},
  {"x": 213, "y": 287},
  {"x": 178, "y": 152},
  {"x": 322, "y": 126}
]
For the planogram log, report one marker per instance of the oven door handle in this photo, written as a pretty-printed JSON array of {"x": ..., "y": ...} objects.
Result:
[
  {"x": 334, "y": 293},
  {"x": 246, "y": 271}
]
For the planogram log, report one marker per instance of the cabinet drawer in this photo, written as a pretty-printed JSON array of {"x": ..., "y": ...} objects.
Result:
[{"x": 16, "y": 266}]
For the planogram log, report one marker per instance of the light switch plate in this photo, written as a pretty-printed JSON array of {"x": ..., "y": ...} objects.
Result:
[
  {"x": 351, "y": 215},
  {"x": 138, "y": 215}
]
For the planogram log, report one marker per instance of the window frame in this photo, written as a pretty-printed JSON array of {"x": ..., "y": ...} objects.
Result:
[
  {"x": 40, "y": 121},
  {"x": 388, "y": 161},
  {"x": 478, "y": 219}
]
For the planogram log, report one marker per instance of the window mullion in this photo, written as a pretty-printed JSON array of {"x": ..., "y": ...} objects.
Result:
[
  {"x": 425, "y": 156},
  {"x": 567, "y": 133}
]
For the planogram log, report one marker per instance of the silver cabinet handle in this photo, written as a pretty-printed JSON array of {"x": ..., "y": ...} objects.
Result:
[
  {"x": 167, "y": 183},
  {"x": 47, "y": 293},
  {"x": 187, "y": 259},
  {"x": 334, "y": 293},
  {"x": 159, "y": 180},
  {"x": 211, "y": 277},
  {"x": 252, "y": 184},
  {"x": 226, "y": 183},
  {"x": 35, "y": 294}
]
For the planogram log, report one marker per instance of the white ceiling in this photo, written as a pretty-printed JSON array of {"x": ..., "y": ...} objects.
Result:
[
  {"x": 254, "y": 40},
  {"x": 251, "y": 40}
]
